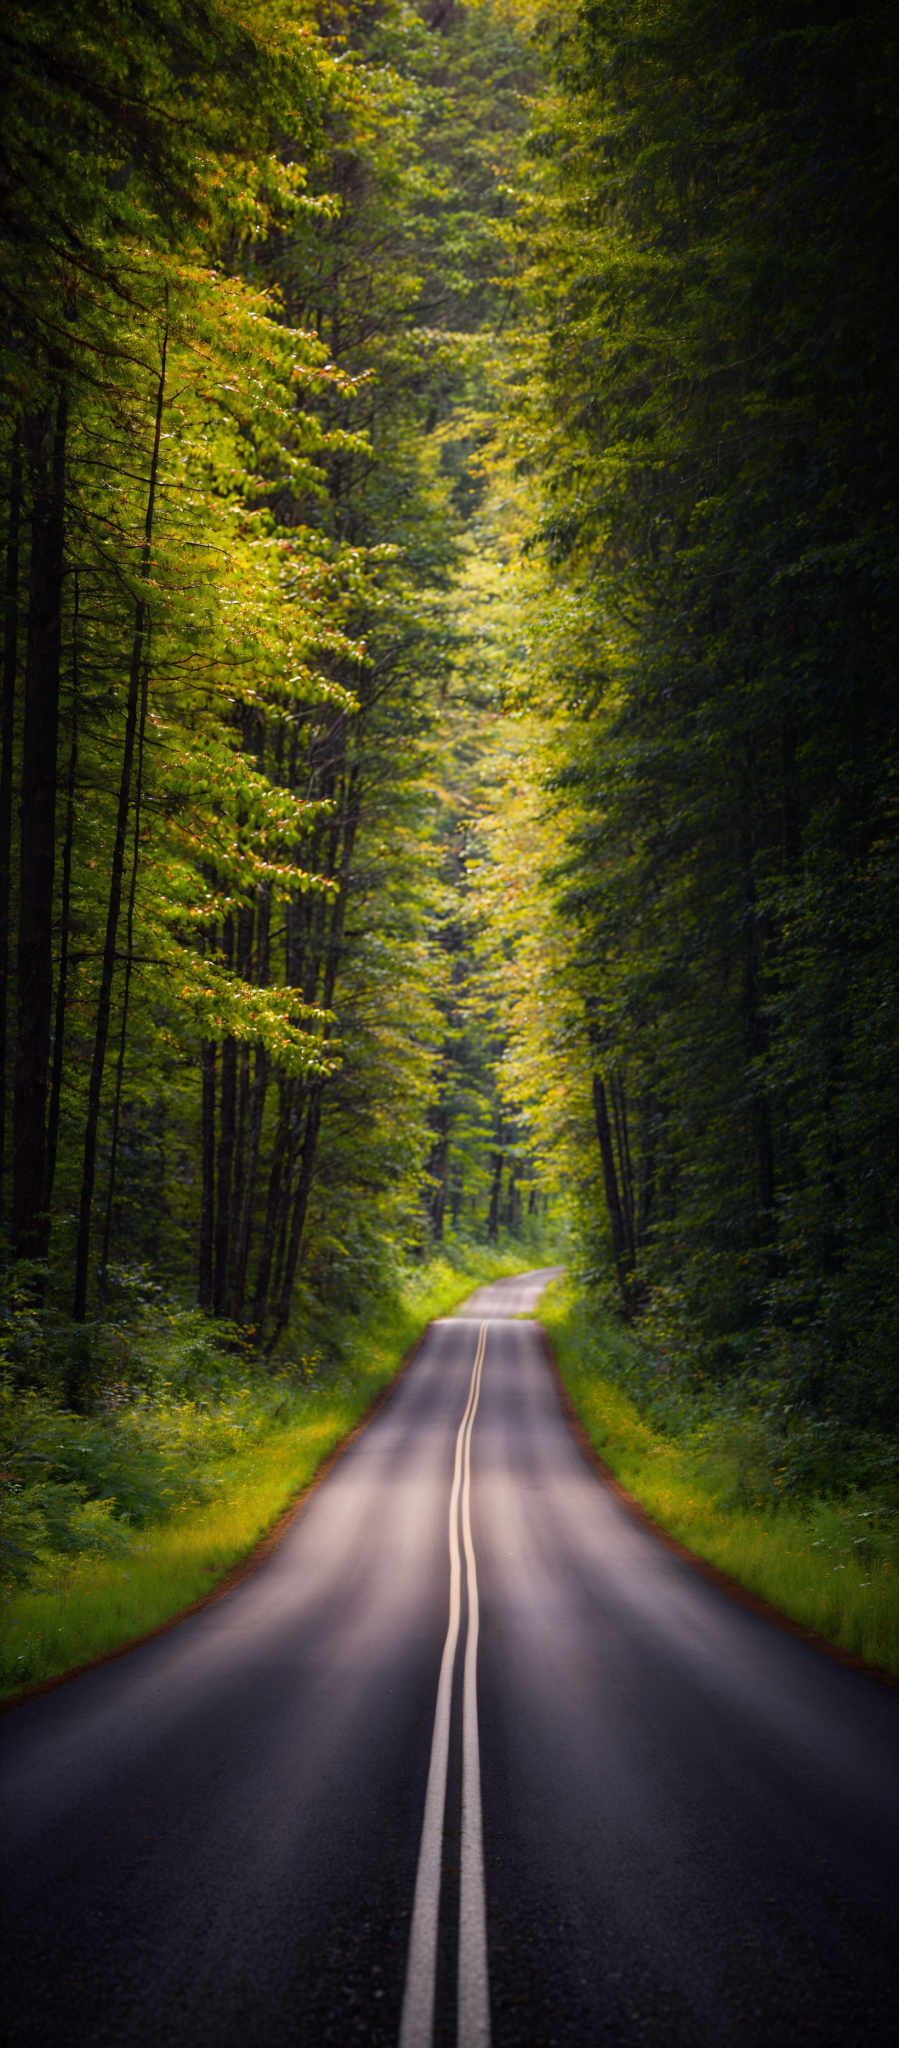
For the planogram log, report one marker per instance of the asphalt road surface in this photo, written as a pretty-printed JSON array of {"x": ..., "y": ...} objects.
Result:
[{"x": 471, "y": 1757}]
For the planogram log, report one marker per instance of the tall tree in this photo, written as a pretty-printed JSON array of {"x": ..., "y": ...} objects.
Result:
[{"x": 717, "y": 430}]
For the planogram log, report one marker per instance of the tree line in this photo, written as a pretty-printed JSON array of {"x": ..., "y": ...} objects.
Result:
[
  {"x": 714, "y": 428},
  {"x": 247, "y": 278},
  {"x": 448, "y": 527}
]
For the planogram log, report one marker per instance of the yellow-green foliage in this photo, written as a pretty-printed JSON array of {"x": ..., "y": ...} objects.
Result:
[{"x": 830, "y": 1564}]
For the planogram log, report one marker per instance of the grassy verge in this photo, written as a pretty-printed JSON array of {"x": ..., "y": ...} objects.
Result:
[
  {"x": 828, "y": 1560},
  {"x": 116, "y": 1522}
]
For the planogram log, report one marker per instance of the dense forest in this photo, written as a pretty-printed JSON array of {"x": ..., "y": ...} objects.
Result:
[
  {"x": 717, "y": 422},
  {"x": 449, "y": 765},
  {"x": 249, "y": 276}
]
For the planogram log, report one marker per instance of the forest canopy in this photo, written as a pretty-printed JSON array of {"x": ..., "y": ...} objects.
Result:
[{"x": 448, "y": 532}]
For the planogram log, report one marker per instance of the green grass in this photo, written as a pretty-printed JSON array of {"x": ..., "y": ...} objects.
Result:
[
  {"x": 829, "y": 1562},
  {"x": 119, "y": 1521},
  {"x": 152, "y": 1501}
]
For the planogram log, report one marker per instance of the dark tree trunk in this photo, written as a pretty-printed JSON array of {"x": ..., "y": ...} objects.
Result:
[
  {"x": 273, "y": 1208},
  {"x": 300, "y": 1207},
  {"x": 625, "y": 1173},
  {"x": 129, "y": 963},
  {"x": 62, "y": 984},
  {"x": 45, "y": 440},
  {"x": 254, "y": 1143},
  {"x": 241, "y": 1252},
  {"x": 104, "y": 1002},
  {"x": 329, "y": 946},
  {"x": 225, "y": 1164},
  {"x": 242, "y": 1119},
  {"x": 612, "y": 1191},
  {"x": 207, "y": 1155},
  {"x": 7, "y": 738}
]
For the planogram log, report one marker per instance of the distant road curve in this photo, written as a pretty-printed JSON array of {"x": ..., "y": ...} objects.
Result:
[{"x": 471, "y": 1759}]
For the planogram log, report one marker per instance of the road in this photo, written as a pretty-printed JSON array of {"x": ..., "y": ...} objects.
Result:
[{"x": 472, "y": 1757}]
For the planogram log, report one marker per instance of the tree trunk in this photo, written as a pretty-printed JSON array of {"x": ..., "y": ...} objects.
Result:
[
  {"x": 625, "y": 1175},
  {"x": 497, "y": 1160},
  {"x": 329, "y": 949},
  {"x": 437, "y": 1171},
  {"x": 245, "y": 922},
  {"x": 612, "y": 1192},
  {"x": 45, "y": 439},
  {"x": 300, "y": 1206},
  {"x": 62, "y": 984},
  {"x": 7, "y": 738},
  {"x": 129, "y": 963},
  {"x": 225, "y": 1173},
  {"x": 241, "y": 1252},
  {"x": 104, "y": 1003},
  {"x": 207, "y": 1154},
  {"x": 273, "y": 1207}
]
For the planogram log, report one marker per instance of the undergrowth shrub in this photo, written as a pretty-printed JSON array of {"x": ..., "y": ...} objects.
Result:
[
  {"x": 70, "y": 1483},
  {"x": 176, "y": 1401},
  {"x": 750, "y": 1440},
  {"x": 799, "y": 1507}
]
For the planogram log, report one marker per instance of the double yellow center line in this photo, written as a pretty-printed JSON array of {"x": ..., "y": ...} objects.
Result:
[{"x": 473, "y": 2009}]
